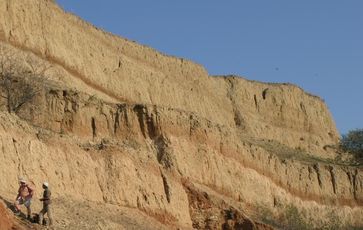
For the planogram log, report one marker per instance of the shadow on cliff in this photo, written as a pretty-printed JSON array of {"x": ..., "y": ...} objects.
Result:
[
  {"x": 8, "y": 204},
  {"x": 9, "y": 221}
]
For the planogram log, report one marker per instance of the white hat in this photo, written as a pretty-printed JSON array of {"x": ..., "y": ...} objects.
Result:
[
  {"x": 46, "y": 184},
  {"x": 22, "y": 180}
]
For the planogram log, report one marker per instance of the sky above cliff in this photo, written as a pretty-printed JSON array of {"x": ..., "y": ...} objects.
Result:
[{"x": 317, "y": 45}]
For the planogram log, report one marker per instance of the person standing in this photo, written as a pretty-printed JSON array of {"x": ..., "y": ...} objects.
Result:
[
  {"x": 24, "y": 197},
  {"x": 46, "y": 204}
]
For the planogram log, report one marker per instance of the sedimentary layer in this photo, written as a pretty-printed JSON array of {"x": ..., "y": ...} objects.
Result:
[
  {"x": 115, "y": 122},
  {"x": 134, "y": 73}
]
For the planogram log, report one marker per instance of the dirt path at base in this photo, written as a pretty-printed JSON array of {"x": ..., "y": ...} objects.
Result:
[{"x": 76, "y": 215}]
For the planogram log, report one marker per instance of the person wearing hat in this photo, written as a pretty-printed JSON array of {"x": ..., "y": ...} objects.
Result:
[
  {"x": 46, "y": 204},
  {"x": 24, "y": 197}
]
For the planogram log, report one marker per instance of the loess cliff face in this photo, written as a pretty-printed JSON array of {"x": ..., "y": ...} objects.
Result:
[
  {"x": 133, "y": 73},
  {"x": 118, "y": 125}
]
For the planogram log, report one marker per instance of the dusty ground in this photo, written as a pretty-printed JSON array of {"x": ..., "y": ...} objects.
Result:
[{"x": 74, "y": 215}]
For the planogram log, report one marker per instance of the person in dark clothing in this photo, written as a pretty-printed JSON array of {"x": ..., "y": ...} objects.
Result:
[{"x": 46, "y": 204}]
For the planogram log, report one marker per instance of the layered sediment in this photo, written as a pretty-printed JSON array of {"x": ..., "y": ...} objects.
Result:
[{"x": 118, "y": 123}]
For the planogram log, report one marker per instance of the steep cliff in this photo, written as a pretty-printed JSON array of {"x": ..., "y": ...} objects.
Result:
[
  {"x": 116, "y": 123},
  {"x": 133, "y": 73}
]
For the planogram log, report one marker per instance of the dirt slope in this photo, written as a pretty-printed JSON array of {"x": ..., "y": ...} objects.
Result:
[{"x": 8, "y": 222}]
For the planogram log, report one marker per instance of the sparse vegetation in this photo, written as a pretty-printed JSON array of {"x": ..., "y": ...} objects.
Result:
[
  {"x": 18, "y": 85},
  {"x": 266, "y": 216},
  {"x": 285, "y": 152},
  {"x": 292, "y": 218},
  {"x": 289, "y": 218},
  {"x": 16, "y": 91}
]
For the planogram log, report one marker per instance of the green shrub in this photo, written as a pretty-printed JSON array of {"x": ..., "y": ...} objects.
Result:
[{"x": 352, "y": 142}]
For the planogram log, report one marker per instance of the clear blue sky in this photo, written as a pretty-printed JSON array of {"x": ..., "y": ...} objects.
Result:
[{"x": 316, "y": 44}]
